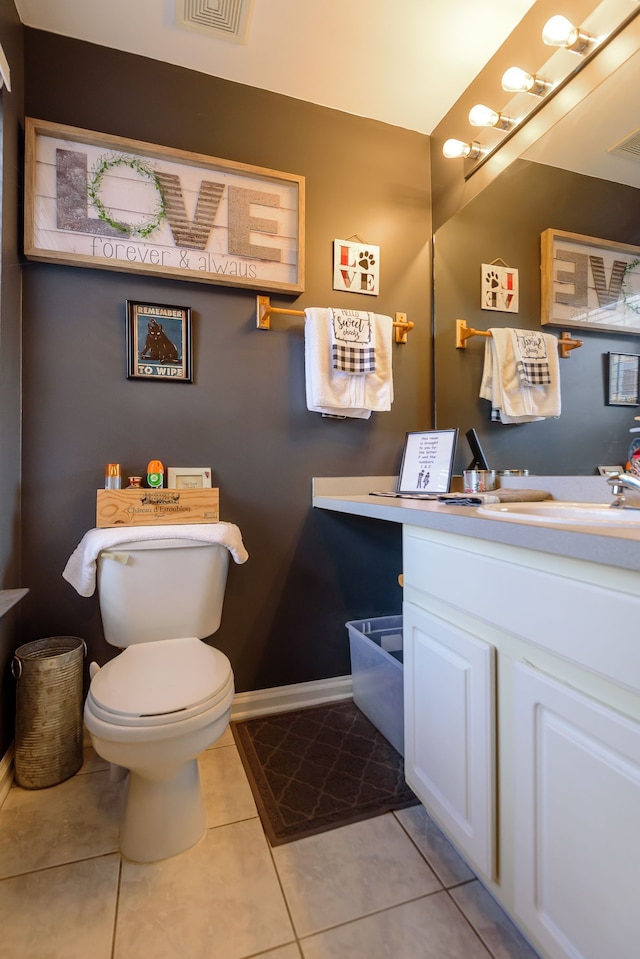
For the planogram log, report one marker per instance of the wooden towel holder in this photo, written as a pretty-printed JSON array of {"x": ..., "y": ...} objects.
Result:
[
  {"x": 463, "y": 332},
  {"x": 264, "y": 311}
]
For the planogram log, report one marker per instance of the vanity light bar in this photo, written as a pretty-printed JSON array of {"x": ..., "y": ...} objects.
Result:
[{"x": 557, "y": 32}]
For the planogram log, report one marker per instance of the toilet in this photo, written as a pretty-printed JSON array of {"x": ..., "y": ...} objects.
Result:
[{"x": 167, "y": 696}]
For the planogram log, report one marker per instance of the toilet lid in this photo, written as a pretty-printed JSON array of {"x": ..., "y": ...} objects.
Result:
[{"x": 160, "y": 678}]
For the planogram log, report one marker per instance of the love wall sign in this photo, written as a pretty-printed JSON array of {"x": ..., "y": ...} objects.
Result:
[{"x": 115, "y": 204}]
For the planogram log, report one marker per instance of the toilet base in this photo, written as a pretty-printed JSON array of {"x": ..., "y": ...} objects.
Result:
[
  {"x": 163, "y": 816},
  {"x": 165, "y": 812}
]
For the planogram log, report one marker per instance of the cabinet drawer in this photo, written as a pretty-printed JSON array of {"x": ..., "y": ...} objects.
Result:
[{"x": 580, "y": 621}]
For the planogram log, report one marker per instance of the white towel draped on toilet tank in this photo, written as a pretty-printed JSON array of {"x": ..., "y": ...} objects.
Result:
[
  {"x": 521, "y": 375},
  {"x": 80, "y": 570},
  {"x": 335, "y": 393}
]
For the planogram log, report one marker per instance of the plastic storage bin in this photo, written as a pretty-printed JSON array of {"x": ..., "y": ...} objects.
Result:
[{"x": 376, "y": 674}]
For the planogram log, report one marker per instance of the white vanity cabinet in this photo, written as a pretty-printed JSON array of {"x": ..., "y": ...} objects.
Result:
[
  {"x": 522, "y": 731},
  {"x": 577, "y": 820},
  {"x": 450, "y": 729}
]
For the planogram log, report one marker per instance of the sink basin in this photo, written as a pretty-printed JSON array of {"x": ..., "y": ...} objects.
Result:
[{"x": 556, "y": 513}]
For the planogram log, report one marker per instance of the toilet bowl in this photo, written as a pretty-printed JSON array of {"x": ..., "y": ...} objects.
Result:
[
  {"x": 167, "y": 695},
  {"x": 159, "y": 742}
]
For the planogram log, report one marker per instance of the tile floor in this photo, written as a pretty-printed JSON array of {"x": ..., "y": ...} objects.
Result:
[{"x": 390, "y": 886}]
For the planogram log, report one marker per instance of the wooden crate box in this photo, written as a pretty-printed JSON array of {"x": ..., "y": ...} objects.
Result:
[{"x": 156, "y": 507}]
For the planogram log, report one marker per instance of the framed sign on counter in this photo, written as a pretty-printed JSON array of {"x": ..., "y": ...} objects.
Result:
[
  {"x": 427, "y": 461},
  {"x": 116, "y": 204}
]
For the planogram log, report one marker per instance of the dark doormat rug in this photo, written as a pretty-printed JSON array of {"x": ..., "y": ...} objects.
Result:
[{"x": 318, "y": 768}]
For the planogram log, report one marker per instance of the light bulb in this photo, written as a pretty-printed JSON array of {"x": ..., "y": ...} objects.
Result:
[
  {"x": 560, "y": 32},
  {"x": 515, "y": 80},
  {"x": 481, "y": 116},
  {"x": 457, "y": 149}
]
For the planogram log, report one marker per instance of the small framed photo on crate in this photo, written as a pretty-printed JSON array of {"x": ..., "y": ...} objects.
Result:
[
  {"x": 158, "y": 342},
  {"x": 189, "y": 477}
]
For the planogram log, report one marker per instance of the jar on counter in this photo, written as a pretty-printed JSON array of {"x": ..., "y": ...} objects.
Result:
[{"x": 112, "y": 476}]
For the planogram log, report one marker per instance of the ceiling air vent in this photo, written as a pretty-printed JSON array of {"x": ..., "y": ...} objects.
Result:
[
  {"x": 223, "y": 19},
  {"x": 628, "y": 147}
]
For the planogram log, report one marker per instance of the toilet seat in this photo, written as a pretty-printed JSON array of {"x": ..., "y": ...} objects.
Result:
[{"x": 160, "y": 683}]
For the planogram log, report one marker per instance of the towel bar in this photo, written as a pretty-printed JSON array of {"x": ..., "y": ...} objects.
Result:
[
  {"x": 264, "y": 310},
  {"x": 463, "y": 332}
]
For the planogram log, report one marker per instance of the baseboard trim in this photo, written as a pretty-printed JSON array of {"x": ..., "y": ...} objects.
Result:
[
  {"x": 279, "y": 699},
  {"x": 6, "y": 773}
]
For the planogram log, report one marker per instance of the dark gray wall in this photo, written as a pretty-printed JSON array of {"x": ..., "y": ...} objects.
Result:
[
  {"x": 245, "y": 415},
  {"x": 506, "y": 221},
  {"x": 10, "y": 285}
]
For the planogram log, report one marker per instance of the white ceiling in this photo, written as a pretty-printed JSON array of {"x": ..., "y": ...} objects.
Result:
[{"x": 403, "y": 62}]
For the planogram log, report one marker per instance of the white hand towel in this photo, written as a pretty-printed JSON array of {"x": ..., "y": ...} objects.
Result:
[
  {"x": 516, "y": 401},
  {"x": 80, "y": 570},
  {"x": 334, "y": 393},
  {"x": 379, "y": 385}
]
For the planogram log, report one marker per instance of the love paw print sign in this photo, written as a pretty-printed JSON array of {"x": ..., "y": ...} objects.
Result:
[
  {"x": 356, "y": 267},
  {"x": 499, "y": 288}
]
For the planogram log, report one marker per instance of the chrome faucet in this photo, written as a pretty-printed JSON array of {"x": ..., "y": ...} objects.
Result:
[{"x": 626, "y": 488}]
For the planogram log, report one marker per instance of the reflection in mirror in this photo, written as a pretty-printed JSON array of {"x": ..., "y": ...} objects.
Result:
[
  {"x": 579, "y": 178},
  {"x": 522, "y": 95}
]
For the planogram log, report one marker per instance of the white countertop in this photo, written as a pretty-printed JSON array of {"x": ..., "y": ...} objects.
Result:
[
  {"x": 613, "y": 547},
  {"x": 9, "y": 598}
]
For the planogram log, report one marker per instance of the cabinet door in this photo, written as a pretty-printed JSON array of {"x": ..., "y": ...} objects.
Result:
[
  {"x": 577, "y": 821},
  {"x": 450, "y": 730}
]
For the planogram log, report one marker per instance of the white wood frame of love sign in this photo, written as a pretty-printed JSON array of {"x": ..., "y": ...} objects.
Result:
[{"x": 111, "y": 203}]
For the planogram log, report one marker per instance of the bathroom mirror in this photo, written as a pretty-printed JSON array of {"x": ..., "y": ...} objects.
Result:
[{"x": 582, "y": 176}]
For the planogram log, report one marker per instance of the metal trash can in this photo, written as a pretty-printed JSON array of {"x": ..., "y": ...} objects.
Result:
[{"x": 48, "y": 745}]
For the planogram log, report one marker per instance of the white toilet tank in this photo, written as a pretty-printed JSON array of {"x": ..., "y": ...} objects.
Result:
[{"x": 161, "y": 589}]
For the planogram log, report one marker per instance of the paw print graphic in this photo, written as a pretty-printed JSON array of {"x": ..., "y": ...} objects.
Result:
[
  {"x": 492, "y": 279},
  {"x": 366, "y": 260}
]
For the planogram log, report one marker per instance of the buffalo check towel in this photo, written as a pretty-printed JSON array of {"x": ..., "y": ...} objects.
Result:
[
  {"x": 334, "y": 393},
  {"x": 530, "y": 349},
  {"x": 353, "y": 341},
  {"x": 513, "y": 400}
]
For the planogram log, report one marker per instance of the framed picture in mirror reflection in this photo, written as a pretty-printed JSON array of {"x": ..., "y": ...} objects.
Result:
[
  {"x": 623, "y": 379},
  {"x": 590, "y": 284}
]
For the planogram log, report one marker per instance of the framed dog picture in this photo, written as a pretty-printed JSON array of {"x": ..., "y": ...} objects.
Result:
[{"x": 158, "y": 342}]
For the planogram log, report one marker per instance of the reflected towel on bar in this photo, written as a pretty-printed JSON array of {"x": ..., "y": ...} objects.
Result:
[
  {"x": 334, "y": 393},
  {"x": 513, "y": 401}
]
